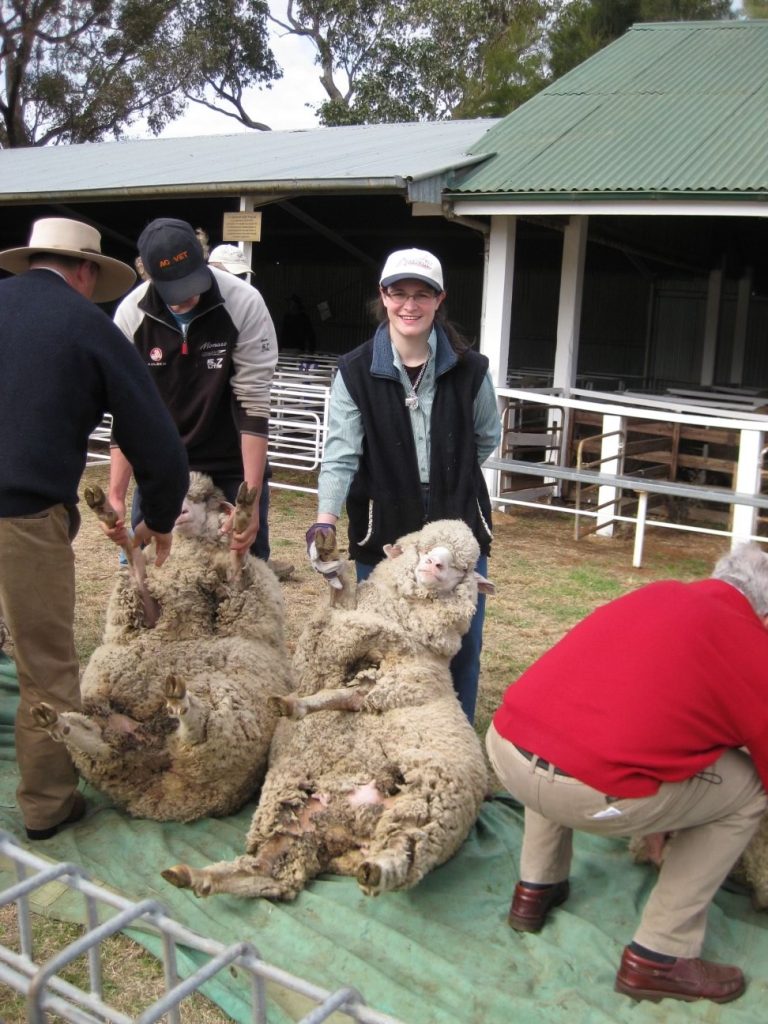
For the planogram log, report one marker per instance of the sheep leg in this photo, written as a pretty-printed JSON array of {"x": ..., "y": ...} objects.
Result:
[
  {"x": 649, "y": 849},
  {"x": 389, "y": 868},
  {"x": 421, "y": 826},
  {"x": 97, "y": 501},
  {"x": 244, "y": 503},
  {"x": 190, "y": 712},
  {"x": 348, "y": 698},
  {"x": 279, "y": 866},
  {"x": 240, "y": 877},
  {"x": 77, "y": 731}
]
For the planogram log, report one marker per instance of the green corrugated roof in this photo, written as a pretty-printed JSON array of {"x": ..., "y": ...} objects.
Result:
[{"x": 668, "y": 109}]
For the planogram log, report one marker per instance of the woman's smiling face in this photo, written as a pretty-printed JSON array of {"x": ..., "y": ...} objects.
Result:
[{"x": 411, "y": 306}]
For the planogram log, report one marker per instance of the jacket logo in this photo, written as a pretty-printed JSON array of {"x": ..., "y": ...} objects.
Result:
[
  {"x": 215, "y": 364},
  {"x": 156, "y": 354}
]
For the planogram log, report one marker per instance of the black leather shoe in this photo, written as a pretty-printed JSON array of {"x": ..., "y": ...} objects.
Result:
[
  {"x": 530, "y": 907},
  {"x": 79, "y": 807},
  {"x": 684, "y": 978}
]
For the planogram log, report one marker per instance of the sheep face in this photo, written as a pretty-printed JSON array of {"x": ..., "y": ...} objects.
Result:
[
  {"x": 435, "y": 571},
  {"x": 202, "y": 511}
]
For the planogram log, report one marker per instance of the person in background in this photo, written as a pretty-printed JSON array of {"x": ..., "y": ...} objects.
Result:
[
  {"x": 413, "y": 416},
  {"x": 297, "y": 331},
  {"x": 654, "y": 695},
  {"x": 231, "y": 259},
  {"x": 65, "y": 365},
  {"x": 210, "y": 347}
]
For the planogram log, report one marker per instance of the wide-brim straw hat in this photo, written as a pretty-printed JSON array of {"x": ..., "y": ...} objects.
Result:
[{"x": 64, "y": 237}]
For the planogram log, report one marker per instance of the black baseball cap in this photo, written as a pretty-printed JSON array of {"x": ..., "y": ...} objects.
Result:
[{"x": 173, "y": 257}]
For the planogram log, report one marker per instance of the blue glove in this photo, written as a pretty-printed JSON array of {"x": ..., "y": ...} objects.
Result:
[{"x": 323, "y": 552}]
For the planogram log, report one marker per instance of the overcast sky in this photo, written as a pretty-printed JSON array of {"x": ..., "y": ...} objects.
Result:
[{"x": 282, "y": 106}]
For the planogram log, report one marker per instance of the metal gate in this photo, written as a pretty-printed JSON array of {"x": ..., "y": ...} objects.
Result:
[{"x": 46, "y": 991}]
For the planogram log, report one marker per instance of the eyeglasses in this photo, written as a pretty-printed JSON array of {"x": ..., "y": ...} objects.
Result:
[{"x": 398, "y": 296}]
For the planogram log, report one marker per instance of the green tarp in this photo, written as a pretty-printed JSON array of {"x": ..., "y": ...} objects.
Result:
[{"x": 441, "y": 953}]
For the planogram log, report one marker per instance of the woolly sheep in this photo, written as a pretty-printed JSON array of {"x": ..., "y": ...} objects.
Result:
[
  {"x": 378, "y": 773},
  {"x": 176, "y": 724}
]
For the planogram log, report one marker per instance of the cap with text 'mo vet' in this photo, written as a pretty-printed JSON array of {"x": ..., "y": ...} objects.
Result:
[{"x": 173, "y": 258}]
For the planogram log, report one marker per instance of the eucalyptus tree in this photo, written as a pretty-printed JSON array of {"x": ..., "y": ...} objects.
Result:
[{"x": 84, "y": 70}]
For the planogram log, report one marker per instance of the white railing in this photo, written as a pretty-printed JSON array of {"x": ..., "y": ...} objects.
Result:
[{"x": 613, "y": 411}]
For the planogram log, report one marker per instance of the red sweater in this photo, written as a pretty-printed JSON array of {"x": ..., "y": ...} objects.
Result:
[{"x": 652, "y": 687}]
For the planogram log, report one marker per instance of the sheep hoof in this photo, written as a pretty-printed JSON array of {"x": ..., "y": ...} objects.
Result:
[
  {"x": 325, "y": 543},
  {"x": 287, "y": 707},
  {"x": 44, "y": 715},
  {"x": 179, "y": 875},
  {"x": 369, "y": 877},
  {"x": 176, "y": 700}
]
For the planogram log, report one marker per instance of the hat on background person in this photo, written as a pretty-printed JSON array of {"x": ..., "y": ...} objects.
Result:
[
  {"x": 412, "y": 265},
  {"x": 173, "y": 257},
  {"x": 62, "y": 236},
  {"x": 230, "y": 258}
]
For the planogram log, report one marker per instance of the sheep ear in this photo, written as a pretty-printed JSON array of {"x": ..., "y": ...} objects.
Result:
[
  {"x": 484, "y": 586},
  {"x": 392, "y": 550},
  {"x": 226, "y": 506}
]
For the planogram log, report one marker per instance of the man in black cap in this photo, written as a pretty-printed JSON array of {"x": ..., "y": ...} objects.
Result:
[
  {"x": 64, "y": 365},
  {"x": 210, "y": 346}
]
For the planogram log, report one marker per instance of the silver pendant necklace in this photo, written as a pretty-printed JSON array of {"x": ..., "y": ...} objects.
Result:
[{"x": 412, "y": 400}]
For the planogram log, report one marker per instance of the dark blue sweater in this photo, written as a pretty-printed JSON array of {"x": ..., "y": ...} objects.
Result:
[{"x": 63, "y": 364}]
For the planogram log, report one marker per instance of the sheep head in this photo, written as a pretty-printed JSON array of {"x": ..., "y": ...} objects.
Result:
[
  {"x": 203, "y": 509},
  {"x": 438, "y": 559}
]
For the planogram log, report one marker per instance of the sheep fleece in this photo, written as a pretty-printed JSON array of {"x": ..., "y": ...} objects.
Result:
[
  {"x": 226, "y": 644},
  {"x": 386, "y": 792}
]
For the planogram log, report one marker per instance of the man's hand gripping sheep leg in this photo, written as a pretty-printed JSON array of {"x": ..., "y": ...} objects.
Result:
[{"x": 115, "y": 529}]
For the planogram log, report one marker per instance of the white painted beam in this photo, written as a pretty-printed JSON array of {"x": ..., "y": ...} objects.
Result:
[{"x": 569, "y": 309}]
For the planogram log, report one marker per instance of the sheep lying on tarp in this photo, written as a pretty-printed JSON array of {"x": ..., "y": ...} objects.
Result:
[
  {"x": 376, "y": 773},
  {"x": 176, "y": 724}
]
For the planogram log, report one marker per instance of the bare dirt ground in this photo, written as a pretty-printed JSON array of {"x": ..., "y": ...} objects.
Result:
[{"x": 545, "y": 582}]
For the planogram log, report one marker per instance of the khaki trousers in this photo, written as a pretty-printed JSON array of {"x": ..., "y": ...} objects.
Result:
[
  {"x": 37, "y": 600},
  {"x": 713, "y": 816}
]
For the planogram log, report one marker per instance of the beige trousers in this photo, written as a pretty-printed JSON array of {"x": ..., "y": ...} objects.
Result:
[
  {"x": 37, "y": 600},
  {"x": 713, "y": 816}
]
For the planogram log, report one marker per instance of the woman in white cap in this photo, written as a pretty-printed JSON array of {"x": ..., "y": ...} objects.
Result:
[{"x": 413, "y": 415}]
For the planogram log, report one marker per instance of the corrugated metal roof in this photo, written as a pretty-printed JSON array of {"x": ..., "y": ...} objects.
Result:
[
  {"x": 669, "y": 108},
  {"x": 357, "y": 158}
]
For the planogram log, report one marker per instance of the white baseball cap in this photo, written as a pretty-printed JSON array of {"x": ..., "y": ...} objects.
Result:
[
  {"x": 231, "y": 258},
  {"x": 412, "y": 265}
]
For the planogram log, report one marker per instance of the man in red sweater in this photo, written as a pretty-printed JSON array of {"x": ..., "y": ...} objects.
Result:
[{"x": 632, "y": 725}]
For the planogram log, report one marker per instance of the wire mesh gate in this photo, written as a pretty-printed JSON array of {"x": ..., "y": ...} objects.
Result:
[{"x": 45, "y": 991}]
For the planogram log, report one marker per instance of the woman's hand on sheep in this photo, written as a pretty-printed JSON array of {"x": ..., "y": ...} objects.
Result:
[{"x": 323, "y": 552}]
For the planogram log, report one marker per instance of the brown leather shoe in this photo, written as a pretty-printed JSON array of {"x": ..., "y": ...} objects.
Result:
[
  {"x": 687, "y": 979},
  {"x": 530, "y": 907}
]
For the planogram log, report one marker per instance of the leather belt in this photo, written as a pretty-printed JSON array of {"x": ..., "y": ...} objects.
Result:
[{"x": 541, "y": 763}]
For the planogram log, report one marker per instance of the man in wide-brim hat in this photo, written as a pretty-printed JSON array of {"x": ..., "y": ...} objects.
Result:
[
  {"x": 65, "y": 365},
  {"x": 62, "y": 237}
]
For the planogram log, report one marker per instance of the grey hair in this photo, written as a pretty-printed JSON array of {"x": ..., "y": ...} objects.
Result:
[{"x": 746, "y": 568}]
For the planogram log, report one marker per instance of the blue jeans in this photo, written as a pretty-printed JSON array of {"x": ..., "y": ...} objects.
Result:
[
  {"x": 465, "y": 666},
  {"x": 229, "y": 485}
]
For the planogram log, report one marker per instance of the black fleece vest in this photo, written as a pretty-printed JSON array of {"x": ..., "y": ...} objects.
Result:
[{"x": 385, "y": 500}]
